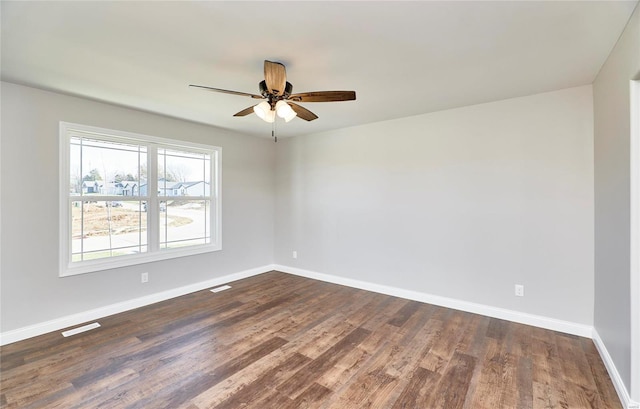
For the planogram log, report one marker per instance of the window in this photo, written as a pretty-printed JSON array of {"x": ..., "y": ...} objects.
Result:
[{"x": 127, "y": 199}]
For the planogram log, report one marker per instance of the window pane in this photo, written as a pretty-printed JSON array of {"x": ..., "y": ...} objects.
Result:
[
  {"x": 75, "y": 174},
  {"x": 107, "y": 229},
  {"x": 184, "y": 223},
  {"x": 107, "y": 168},
  {"x": 183, "y": 173}
]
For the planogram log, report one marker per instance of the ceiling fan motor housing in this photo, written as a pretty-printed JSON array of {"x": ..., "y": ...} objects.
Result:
[{"x": 272, "y": 98}]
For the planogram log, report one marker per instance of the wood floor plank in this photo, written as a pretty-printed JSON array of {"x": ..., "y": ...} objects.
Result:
[
  {"x": 42, "y": 391},
  {"x": 370, "y": 390},
  {"x": 524, "y": 383},
  {"x": 307, "y": 375},
  {"x": 272, "y": 399},
  {"x": 199, "y": 384},
  {"x": 253, "y": 391},
  {"x": 404, "y": 313},
  {"x": 418, "y": 337},
  {"x": 451, "y": 390},
  {"x": 599, "y": 373},
  {"x": 488, "y": 391},
  {"x": 549, "y": 386},
  {"x": 419, "y": 390},
  {"x": 373, "y": 318},
  {"x": 312, "y": 397},
  {"x": 442, "y": 350},
  {"x": 575, "y": 368},
  {"x": 379, "y": 378},
  {"x": 472, "y": 340},
  {"x": 344, "y": 370},
  {"x": 86, "y": 395},
  {"x": 282, "y": 341}
]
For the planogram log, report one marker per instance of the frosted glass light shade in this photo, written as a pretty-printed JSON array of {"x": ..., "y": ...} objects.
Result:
[
  {"x": 285, "y": 111},
  {"x": 264, "y": 112},
  {"x": 271, "y": 116}
]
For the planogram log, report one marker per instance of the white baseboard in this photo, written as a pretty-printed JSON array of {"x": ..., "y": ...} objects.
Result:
[
  {"x": 495, "y": 312},
  {"x": 30, "y": 331},
  {"x": 621, "y": 389}
]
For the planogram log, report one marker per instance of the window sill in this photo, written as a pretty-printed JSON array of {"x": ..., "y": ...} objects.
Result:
[{"x": 134, "y": 259}]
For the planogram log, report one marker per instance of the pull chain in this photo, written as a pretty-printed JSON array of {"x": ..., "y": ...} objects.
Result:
[{"x": 273, "y": 131}]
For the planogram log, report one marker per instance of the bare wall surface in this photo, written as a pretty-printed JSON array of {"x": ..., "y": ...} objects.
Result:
[
  {"x": 462, "y": 203},
  {"x": 612, "y": 197},
  {"x": 32, "y": 292}
]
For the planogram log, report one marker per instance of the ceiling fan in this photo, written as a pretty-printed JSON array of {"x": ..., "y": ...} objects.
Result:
[{"x": 276, "y": 93}]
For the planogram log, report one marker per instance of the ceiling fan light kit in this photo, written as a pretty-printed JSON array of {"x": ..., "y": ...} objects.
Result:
[
  {"x": 285, "y": 111},
  {"x": 264, "y": 112},
  {"x": 276, "y": 93}
]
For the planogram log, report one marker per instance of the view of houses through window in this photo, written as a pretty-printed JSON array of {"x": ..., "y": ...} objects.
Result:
[
  {"x": 183, "y": 175},
  {"x": 130, "y": 197},
  {"x": 102, "y": 175}
]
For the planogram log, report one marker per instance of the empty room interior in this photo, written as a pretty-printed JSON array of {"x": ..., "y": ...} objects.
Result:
[{"x": 340, "y": 204}]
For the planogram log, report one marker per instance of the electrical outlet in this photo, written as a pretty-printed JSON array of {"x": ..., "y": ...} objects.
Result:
[
  {"x": 295, "y": 254},
  {"x": 519, "y": 290},
  {"x": 144, "y": 277}
]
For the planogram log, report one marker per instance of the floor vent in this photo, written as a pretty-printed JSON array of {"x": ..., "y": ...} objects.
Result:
[
  {"x": 218, "y": 289},
  {"x": 78, "y": 330}
]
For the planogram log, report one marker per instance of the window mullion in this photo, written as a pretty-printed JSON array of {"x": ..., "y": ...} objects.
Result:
[
  {"x": 153, "y": 221},
  {"x": 81, "y": 213}
]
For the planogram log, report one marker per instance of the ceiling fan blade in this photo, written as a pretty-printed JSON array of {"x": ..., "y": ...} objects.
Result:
[
  {"x": 323, "y": 96},
  {"x": 275, "y": 76},
  {"x": 245, "y": 112},
  {"x": 226, "y": 91},
  {"x": 303, "y": 112}
]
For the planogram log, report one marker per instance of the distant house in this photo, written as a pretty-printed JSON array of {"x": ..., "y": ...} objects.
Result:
[
  {"x": 124, "y": 188},
  {"x": 174, "y": 189},
  {"x": 143, "y": 189},
  {"x": 112, "y": 189},
  {"x": 91, "y": 186},
  {"x": 199, "y": 188},
  {"x": 129, "y": 188},
  {"x": 166, "y": 188}
]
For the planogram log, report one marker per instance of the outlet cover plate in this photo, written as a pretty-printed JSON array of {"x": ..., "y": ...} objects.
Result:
[{"x": 519, "y": 290}]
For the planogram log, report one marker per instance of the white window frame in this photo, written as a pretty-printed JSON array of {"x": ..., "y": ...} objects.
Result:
[{"x": 154, "y": 253}]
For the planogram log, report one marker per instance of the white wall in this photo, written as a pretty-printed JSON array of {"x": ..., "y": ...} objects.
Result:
[
  {"x": 462, "y": 203},
  {"x": 31, "y": 290},
  {"x": 612, "y": 197}
]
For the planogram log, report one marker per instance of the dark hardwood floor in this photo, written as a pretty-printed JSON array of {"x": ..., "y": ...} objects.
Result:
[{"x": 281, "y": 341}]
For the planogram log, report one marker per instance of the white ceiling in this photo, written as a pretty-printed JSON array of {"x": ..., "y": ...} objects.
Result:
[{"x": 402, "y": 58}]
